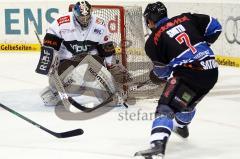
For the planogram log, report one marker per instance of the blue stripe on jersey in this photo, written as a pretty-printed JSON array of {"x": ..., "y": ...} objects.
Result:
[
  {"x": 203, "y": 50},
  {"x": 185, "y": 117},
  {"x": 213, "y": 27},
  {"x": 161, "y": 21},
  {"x": 162, "y": 122}
]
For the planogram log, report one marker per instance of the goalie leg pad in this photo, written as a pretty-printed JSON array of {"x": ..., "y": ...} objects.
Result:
[
  {"x": 86, "y": 74},
  {"x": 49, "y": 97}
]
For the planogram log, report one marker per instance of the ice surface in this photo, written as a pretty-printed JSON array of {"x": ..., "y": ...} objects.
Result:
[{"x": 117, "y": 134}]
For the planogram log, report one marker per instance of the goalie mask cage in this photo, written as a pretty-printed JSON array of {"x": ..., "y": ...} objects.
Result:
[{"x": 126, "y": 31}]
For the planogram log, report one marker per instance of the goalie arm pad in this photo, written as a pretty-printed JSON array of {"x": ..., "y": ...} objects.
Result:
[{"x": 48, "y": 60}]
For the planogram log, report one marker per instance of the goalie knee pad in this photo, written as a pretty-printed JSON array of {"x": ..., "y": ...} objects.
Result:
[{"x": 49, "y": 97}]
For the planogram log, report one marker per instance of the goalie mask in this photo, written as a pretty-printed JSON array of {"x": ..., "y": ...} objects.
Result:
[{"x": 82, "y": 11}]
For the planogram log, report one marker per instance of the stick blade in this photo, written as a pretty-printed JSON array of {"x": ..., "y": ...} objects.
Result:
[
  {"x": 86, "y": 109},
  {"x": 71, "y": 133}
]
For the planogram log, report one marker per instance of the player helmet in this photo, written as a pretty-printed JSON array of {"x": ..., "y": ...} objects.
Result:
[
  {"x": 155, "y": 12},
  {"x": 82, "y": 11}
]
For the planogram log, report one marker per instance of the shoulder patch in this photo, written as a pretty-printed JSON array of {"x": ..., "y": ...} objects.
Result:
[
  {"x": 98, "y": 31},
  {"x": 100, "y": 21},
  {"x": 106, "y": 38},
  {"x": 62, "y": 20}
]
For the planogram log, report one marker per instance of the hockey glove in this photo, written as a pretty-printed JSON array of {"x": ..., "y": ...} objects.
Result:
[{"x": 160, "y": 74}]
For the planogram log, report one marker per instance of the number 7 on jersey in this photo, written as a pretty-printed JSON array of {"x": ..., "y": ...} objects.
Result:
[{"x": 183, "y": 37}]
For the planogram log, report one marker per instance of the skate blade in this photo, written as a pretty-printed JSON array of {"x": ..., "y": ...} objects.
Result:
[
  {"x": 183, "y": 138},
  {"x": 148, "y": 157},
  {"x": 138, "y": 155}
]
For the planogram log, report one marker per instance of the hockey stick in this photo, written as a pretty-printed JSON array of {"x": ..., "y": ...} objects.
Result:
[
  {"x": 60, "y": 88},
  {"x": 66, "y": 134},
  {"x": 138, "y": 85},
  {"x": 110, "y": 99},
  {"x": 88, "y": 110}
]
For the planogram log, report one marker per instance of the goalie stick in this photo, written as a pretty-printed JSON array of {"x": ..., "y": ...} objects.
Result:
[
  {"x": 88, "y": 110},
  {"x": 110, "y": 99},
  {"x": 136, "y": 86},
  {"x": 66, "y": 134}
]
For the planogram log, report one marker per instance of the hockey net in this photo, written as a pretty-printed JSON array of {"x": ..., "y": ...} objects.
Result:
[{"x": 126, "y": 28}]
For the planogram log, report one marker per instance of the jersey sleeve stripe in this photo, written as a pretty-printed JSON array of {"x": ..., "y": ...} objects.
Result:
[{"x": 212, "y": 27}]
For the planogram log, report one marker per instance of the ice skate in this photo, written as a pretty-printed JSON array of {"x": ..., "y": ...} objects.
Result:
[
  {"x": 156, "y": 152},
  {"x": 182, "y": 132}
]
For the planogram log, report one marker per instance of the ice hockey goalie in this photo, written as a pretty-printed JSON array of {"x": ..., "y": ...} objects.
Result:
[{"x": 72, "y": 45}]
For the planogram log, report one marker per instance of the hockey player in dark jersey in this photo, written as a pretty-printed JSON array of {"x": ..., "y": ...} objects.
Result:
[{"x": 179, "y": 48}]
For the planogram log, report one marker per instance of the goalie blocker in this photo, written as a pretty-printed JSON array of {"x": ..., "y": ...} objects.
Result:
[{"x": 48, "y": 60}]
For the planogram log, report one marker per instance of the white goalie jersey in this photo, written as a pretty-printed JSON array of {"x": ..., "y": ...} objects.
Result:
[{"x": 67, "y": 37}]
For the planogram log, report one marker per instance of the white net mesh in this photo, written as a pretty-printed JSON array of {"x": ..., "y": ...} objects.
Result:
[{"x": 137, "y": 61}]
